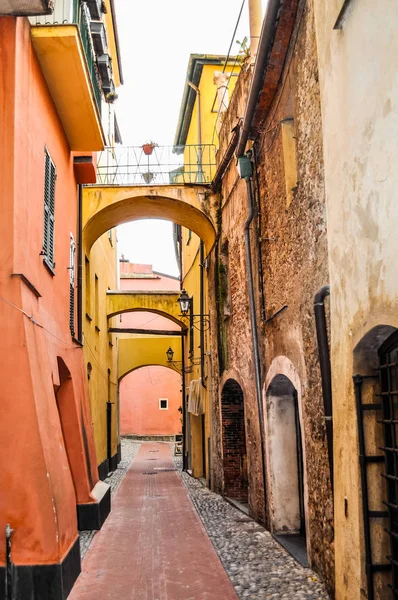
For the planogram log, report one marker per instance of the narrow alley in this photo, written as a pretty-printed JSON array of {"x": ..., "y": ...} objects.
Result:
[
  {"x": 164, "y": 533},
  {"x": 198, "y": 300}
]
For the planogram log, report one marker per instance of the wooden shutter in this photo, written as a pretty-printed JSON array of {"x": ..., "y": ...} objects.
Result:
[
  {"x": 49, "y": 210},
  {"x": 72, "y": 248}
]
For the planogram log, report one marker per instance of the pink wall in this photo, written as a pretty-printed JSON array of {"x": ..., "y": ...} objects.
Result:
[
  {"x": 48, "y": 469},
  {"x": 131, "y": 278},
  {"x": 140, "y": 390},
  {"x": 139, "y": 402}
]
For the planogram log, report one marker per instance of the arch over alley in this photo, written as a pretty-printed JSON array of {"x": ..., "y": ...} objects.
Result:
[
  {"x": 142, "y": 351},
  {"x": 189, "y": 205},
  {"x": 159, "y": 302}
]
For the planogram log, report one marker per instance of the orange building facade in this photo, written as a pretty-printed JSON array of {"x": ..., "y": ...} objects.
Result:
[
  {"x": 150, "y": 397},
  {"x": 48, "y": 478}
]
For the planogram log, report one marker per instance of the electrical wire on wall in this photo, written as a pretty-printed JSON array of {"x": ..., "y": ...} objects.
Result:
[{"x": 225, "y": 66}]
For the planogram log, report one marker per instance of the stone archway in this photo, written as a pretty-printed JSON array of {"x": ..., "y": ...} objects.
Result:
[
  {"x": 234, "y": 442},
  {"x": 190, "y": 206}
]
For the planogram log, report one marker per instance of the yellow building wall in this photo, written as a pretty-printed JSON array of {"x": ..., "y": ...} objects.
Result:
[
  {"x": 190, "y": 247},
  {"x": 198, "y": 443},
  {"x": 100, "y": 273},
  {"x": 209, "y": 113}
]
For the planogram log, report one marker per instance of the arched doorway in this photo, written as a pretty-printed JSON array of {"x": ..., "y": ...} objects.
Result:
[
  {"x": 376, "y": 395},
  {"x": 285, "y": 452},
  {"x": 234, "y": 442}
]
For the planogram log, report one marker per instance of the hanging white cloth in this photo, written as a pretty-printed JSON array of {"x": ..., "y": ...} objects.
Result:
[{"x": 195, "y": 402}]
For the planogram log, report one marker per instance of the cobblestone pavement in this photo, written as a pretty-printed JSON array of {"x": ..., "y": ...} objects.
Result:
[
  {"x": 258, "y": 567},
  {"x": 129, "y": 451}
]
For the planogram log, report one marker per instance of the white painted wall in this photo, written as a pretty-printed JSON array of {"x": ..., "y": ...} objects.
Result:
[{"x": 359, "y": 97}]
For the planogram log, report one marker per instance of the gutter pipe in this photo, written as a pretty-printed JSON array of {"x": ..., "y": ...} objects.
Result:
[
  {"x": 253, "y": 320},
  {"x": 201, "y": 310},
  {"x": 222, "y": 167},
  {"x": 184, "y": 411},
  {"x": 242, "y": 130},
  {"x": 324, "y": 363},
  {"x": 264, "y": 48}
]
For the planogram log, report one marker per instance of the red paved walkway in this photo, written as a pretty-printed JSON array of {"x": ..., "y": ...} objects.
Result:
[{"x": 153, "y": 545}]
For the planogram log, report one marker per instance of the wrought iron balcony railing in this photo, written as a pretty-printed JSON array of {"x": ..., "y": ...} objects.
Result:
[{"x": 156, "y": 165}]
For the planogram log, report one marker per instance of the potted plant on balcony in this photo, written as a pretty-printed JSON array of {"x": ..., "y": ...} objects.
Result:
[
  {"x": 148, "y": 177},
  {"x": 148, "y": 148},
  {"x": 110, "y": 97}
]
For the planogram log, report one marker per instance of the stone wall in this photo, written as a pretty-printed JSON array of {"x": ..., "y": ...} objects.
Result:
[{"x": 289, "y": 249}]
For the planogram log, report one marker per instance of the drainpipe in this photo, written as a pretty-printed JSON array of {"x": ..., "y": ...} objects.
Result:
[
  {"x": 246, "y": 172},
  {"x": 184, "y": 412},
  {"x": 264, "y": 48},
  {"x": 202, "y": 307},
  {"x": 241, "y": 131},
  {"x": 324, "y": 363},
  {"x": 80, "y": 266},
  {"x": 222, "y": 167}
]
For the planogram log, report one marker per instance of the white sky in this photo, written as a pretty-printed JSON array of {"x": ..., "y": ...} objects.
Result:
[{"x": 156, "y": 39}]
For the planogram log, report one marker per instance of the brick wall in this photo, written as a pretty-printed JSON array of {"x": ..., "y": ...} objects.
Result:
[{"x": 234, "y": 442}]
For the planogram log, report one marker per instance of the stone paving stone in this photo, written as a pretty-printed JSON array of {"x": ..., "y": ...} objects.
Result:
[
  {"x": 129, "y": 452},
  {"x": 258, "y": 567}
]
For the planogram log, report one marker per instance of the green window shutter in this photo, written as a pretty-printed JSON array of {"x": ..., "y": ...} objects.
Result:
[
  {"x": 72, "y": 249},
  {"x": 49, "y": 211}
]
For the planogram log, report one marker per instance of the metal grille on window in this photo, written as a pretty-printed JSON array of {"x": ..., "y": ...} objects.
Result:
[
  {"x": 49, "y": 211},
  {"x": 389, "y": 399},
  {"x": 72, "y": 285}
]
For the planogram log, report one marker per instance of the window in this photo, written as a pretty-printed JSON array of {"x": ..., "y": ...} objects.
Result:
[
  {"x": 110, "y": 237},
  {"x": 87, "y": 275},
  {"x": 163, "y": 403},
  {"x": 49, "y": 205},
  {"x": 96, "y": 293},
  {"x": 72, "y": 250},
  {"x": 289, "y": 159}
]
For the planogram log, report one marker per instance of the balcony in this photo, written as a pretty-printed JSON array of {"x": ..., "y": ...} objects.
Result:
[
  {"x": 27, "y": 8},
  {"x": 132, "y": 165},
  {"x": 66, "y": 54},
  {"x": 98, "y": 35}
]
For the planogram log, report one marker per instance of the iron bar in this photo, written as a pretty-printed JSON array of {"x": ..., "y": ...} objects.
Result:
[
  {"x": 364, "y": 483},
  {"x": 146, "y": 331},
  {"x": 130, "y": 165}
]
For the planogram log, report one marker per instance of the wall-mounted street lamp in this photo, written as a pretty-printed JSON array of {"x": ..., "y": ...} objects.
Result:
[
  {"x": 185, "y": 303},
  {"x": 177, "y": 365},
  {"x": 170, "y": 354}
]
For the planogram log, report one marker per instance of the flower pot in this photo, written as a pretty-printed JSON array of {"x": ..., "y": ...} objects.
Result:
[
  {"x": 148, "y": 176},
  {"x": 148, "y": 149}
]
